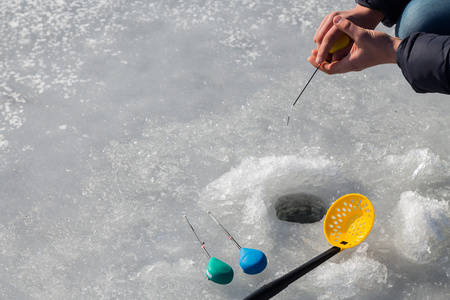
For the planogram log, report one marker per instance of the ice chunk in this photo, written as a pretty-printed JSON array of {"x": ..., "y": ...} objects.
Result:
[{"x": 422, "y": 227}]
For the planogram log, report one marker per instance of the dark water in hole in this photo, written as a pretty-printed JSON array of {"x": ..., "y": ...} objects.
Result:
[{"x": 300, "y": 208}]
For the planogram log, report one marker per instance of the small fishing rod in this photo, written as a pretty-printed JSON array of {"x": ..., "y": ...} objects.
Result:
[
  {"x": 202, "y": 244},
  {"x": 217, "y": 271},
  {"x": 223, "y": 228},
  {"x": 304, "y": 88},
  {"x": 341, "y": 43},
  {"x": 252, "y": 261}
]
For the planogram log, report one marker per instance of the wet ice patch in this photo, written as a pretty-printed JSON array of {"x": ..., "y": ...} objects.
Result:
[{"x": 422, "y": 227}]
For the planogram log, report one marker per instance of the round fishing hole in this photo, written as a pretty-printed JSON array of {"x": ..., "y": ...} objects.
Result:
[{"x": 300, "y": 208}]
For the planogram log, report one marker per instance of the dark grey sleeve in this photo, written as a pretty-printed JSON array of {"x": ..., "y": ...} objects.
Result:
[
  {"x": 424, "y": 59},
  {"x": 392, "y": 9}
]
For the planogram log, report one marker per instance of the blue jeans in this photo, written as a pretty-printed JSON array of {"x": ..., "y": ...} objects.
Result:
[{"x": 430, "y": 16}]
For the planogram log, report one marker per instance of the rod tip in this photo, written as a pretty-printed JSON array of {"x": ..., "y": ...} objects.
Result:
[{"x": 208, "y": 212}]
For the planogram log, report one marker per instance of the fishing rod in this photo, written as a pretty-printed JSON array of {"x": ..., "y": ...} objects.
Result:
[
  {"x": 304, "y": 88},
  {"x": 252, "y": 261},
  {"x": 217, "y": 271},
  {"x": 341, "y": 43}
]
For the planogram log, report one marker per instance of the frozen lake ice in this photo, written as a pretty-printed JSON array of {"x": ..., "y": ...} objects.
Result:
[{"x": 119, "y": 117}]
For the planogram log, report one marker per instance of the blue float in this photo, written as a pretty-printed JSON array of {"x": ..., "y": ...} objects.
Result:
[{"x": 252, "y": 261}]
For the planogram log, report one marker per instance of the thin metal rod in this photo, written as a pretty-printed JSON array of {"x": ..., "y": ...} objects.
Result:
[
  {"x": 304, "y": 88},
  {"x": 202, "y": 244},
  {"x": 229, "y": 235}
]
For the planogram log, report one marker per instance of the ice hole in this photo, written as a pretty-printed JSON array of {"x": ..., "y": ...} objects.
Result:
[{"x": 300, "y": 208}]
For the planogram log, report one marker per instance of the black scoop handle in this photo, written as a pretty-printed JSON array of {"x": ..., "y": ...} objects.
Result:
[{"x": 270, "y": 289}]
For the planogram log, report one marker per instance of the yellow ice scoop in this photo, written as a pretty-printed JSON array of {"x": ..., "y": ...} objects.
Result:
[{"x": 347, "y": 223}]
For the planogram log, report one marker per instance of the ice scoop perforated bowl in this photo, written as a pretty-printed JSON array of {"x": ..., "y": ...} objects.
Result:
[{"x": 349, "y": 221}]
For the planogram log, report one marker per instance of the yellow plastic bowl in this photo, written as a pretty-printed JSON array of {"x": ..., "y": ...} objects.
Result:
[{"x": 349, "y": 221}]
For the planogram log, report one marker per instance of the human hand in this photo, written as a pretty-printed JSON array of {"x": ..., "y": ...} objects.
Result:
[
  {"x": 370, "y": 48},
  {"x": 327, "y": 34}
]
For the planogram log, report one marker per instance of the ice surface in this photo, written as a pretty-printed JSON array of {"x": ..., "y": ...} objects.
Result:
[
  {"x": 119, "y": 117},
  {"x": 356, "y": 276}
]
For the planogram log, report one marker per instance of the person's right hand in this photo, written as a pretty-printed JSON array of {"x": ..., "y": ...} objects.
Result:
[
  {"x": 370, "y": 48},
  {"x": 327, "y": 34}
]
